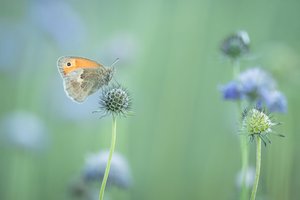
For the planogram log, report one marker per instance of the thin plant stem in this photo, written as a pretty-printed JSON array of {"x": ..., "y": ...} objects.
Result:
[
  {"x": 111, "y": 151},
  {"x": 236, "y": 68},
  {"x": 257, "y": 170},
  {"x": 243, "y": 140},
  {"x": 244, "y": 153}
]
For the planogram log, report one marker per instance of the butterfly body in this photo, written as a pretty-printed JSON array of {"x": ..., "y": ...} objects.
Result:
[{"x": 82, "y": 77}]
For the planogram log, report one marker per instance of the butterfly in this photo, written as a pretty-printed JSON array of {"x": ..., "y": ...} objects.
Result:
[{"x": 83, "y": 77}]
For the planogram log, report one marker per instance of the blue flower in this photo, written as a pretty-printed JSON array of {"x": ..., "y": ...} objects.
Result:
[
  {"x": 274, "y": 100},
  {"x": 249, "y": 177},
  {"x": 123, "y": 45},
  {"x": 24, "y": 130},
  {"x": 60, "y": 21},
  {"x": 255, "y": 80},
  {"x": 119, "y": 174},
  {"x": 12, "y": 44},
  {"x": 231, "y": 91},
  {"x": 258, "y": 87}
]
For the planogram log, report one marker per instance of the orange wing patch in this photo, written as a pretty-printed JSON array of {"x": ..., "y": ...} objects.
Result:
[{"x": 79, "y": 63}]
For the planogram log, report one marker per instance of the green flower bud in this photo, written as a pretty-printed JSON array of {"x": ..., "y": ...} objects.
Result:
[
  {"x": 236, "y": 45},
  {"x": 257, "y": 122}
]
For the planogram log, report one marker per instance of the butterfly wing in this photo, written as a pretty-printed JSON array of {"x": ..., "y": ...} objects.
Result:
[
  {"x": 75, "y": 87},
  {"x": 68, "y": 64},
  {"x": 80, "y": 79}
]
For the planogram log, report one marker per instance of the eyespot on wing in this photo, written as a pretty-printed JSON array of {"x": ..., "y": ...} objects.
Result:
[{"x": 67, "y": 64}]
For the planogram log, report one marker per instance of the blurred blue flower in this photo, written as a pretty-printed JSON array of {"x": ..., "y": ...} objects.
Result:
[
  {"x": 274, "y": 100},
  {"x": 123, "y": 45},
  {"x": 231, "y": 91},
  {"x": 24, "y": 130},
  {"x": 258, "y": 87},
  {"x": 119, "y": 175},
  {"x": 253, "y": 81},
  {"x": 59, "y": 21},
  {"x": 11, "y": 45},
  {"x": 249, "y": 177}
]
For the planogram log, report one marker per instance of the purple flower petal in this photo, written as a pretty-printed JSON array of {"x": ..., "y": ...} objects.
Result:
[
  {"x": 231, "y": 91},
  {"x": 254, "y": 80},
  {"x": 275, "y": 101}
]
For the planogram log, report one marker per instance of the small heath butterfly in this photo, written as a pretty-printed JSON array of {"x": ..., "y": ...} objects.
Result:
[{"x": 82, "y": 77}]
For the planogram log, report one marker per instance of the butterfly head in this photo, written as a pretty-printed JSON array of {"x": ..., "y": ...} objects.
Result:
[
  {"x": 111, "y": 71},
  {"x": 109, "y": 74}
]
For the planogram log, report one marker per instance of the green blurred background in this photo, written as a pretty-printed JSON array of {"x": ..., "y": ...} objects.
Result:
[{"x": 182, "y": 142}]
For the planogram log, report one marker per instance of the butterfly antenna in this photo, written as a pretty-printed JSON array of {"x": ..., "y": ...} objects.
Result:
[
  {"x": 117, "y": 60},
  {"x": 116, "y": 81},
  {"x": 112, "y": 65}
]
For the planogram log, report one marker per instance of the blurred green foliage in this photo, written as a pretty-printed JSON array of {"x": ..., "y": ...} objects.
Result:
[{"x": 182, "y": 142}]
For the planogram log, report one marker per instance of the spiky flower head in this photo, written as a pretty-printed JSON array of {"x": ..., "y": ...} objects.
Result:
[
  {"x": 115, "y": 100},
  {"x": 236, "y": 45},
  {"x": 258, "y": 123}
]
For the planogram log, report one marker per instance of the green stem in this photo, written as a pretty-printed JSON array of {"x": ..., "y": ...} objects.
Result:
[
  {"x": 244, "y": 152},
  {"x": 258, "y": 162},
  {"x": 243, "y": 140},
  {"x": 111, "y": 151},
  {"x": 236, "y": 68}
]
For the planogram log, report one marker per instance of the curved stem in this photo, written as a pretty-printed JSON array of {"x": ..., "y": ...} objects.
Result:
[
  {"x": 111, "y": 151},
  {"x": 257, "y": 170}
]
